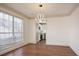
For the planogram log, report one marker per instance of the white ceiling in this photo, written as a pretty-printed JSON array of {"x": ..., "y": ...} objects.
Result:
[{"x": 49, "y": 9}]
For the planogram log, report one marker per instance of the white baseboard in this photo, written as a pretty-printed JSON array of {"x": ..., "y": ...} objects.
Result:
[
  {"x": 75, "y": 50},
  {"x": 57, "y": 44}
]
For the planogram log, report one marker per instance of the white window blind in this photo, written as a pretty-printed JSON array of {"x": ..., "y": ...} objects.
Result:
[{"x": 11, "y": 29}]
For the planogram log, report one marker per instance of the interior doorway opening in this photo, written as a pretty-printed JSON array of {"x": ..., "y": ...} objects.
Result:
[{"x": 41, "y": 32}]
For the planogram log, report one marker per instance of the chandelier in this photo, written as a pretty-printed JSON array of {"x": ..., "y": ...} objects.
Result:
[{"x": 40, "y": 17}]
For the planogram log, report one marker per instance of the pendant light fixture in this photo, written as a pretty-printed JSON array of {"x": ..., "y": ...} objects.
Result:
[{"x": 40, "y": 17}]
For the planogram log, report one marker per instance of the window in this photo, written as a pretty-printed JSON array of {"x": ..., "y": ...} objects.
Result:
[
  {"x": 18, "y": 29},
  {"x": 11, "y": 29}
]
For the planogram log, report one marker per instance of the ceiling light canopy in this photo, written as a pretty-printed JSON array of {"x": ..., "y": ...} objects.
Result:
[{"x": 40, "y": 5}]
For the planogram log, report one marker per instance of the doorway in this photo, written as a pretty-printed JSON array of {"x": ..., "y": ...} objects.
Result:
[{"x": 41, "y": 32}]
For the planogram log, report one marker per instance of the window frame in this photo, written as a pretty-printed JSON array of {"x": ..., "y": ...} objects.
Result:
[{"x": 13, "y": 27}]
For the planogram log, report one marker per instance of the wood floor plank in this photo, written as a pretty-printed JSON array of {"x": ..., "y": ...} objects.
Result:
[{"x": 40, "y": 49}]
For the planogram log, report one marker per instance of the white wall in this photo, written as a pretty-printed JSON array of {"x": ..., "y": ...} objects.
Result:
[
  {"x": 32, "y": 31},
  {"x": 57, "y": 31},
  {"x": 64, "y": 31},
  {"x": 26, "y": 31},
  {"x": 38, "y": 31},
  {"x": 74, "y": 36}
]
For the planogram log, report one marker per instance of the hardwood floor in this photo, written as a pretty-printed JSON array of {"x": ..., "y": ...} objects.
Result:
[{"x": 40, "y": 49}]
